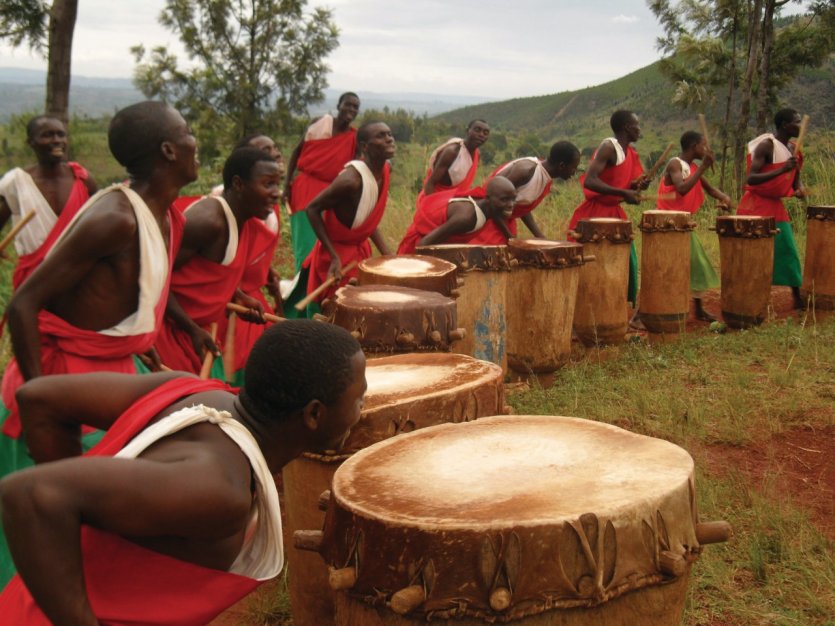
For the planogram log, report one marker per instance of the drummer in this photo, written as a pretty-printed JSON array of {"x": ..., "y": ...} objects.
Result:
[
  {"x": 125, "y": 550},
  {"x": 462, "y": 218},
  {"x": 682, "y": 188}
]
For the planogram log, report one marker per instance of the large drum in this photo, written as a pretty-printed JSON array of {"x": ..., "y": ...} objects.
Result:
[
  {"x": 665, "y": 270},
  {"x": 746, "y": 254},
  {"x": 405, "y": 392},
  {"x": 600, "y": 316},
  {"x": 819, "y": 268},
  {"x": 387, "y": 319},
  {"x": 540, "y": 520},
  {"x": 481, "y": 305},
  {"x": 541, "y": 295},
  {"x": 418, "y": 272}
]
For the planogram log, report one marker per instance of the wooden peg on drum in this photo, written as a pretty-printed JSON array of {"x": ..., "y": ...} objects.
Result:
[
  {"x": 302, "y": 304},
  {"x": 14, "y": 231},
  {"x": 209, "y": 358}
]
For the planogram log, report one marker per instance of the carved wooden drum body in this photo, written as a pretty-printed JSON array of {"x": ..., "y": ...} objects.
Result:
[
  {"x": 600, "y": 315},
  {"x": 665, "y": 270},
  {"x": 819, "y": 268},
  {"x": 405, "y": 392},
  {"x": 535, "y": 519},
  {"x": 387, "y": 319},
  {"x": 746, "y": 253},
  {"x": 415, "y": 271},
  {"x": 541, "y": 296},
  {"x": 482, "y": 300}
]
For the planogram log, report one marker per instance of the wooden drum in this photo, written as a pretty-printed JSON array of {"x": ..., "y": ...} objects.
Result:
[
  {"x": 405, "y": 392},
  {"x": 481, "y": 305},
  {"x": 541, "y": 295},
  {"x": 417, "y": 272},
  {"x": 665, "y": 270},
  {"x": 387, "y": 319},
  {"x": 600, "y": 315},
  {"x": 746, "y": 253},
  {"x": 819, "y": 268},
  {"x": 526, "y": 519}
]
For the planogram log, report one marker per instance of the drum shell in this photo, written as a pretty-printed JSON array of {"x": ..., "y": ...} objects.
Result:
[
  {"x": 442, "y": 279},
  {"x": 665, "y": 281},
  {"x": 600, "y": 312},
  {"x": 541, "y": 296},
  {"x": 746, "y": 259},
  {"x": 306, "y": 477},
  {"x": 819, "y": 267}
]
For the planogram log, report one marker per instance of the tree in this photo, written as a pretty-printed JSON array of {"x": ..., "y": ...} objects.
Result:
[
  {"x": 26, "y": 21},
  {"x": 253, "y": 59}
]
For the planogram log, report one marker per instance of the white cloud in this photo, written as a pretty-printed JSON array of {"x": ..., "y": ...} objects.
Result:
[{"x": 625, "y": 19}]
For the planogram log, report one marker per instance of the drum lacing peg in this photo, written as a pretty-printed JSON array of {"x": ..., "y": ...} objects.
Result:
[
  {"x": 500, "y": 599},
  {"x": 356, "y": 334},
  {"x": 454, "y": 293},
  {"x": 691, "y": 225},
  {"x": 324, "y": 500},
  {"x": 672, "y": 564},
  {"x": 713, "y": 532},
  {"x": 588, "y": 258},
  {"x": 310, "y": 540},
  {"x": 820, "y": 216},
  {"x": 457, "y": 334},
  {"x": 514, "y": 262},
  {"x": 573, "y": 234},
  {"x": 595, "y": 237},
  {"x": 617, "y": 237},
  {"x": 775, "y": 231},
  {"x": 671, "y": 223},
  {"x": 405, "y": 338},
  {"x": 342, "y": 579},
  {"x": 562, "y": 261},
  {"x": 321, "y": 318},
  {"x": 407, "y": 599},
  {"x": 353, "y": 282},
  {"x": 459, "y": 282},
  {"x": 435, "y": 337}
]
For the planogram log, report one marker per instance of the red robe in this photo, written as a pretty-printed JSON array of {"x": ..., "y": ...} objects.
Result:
[
  {"x": 350, "y": 243},
  {"x": 764, "y": 199},
  {"x": 430, "y": 215},
  {"x": 79, "y": 194},
  {"x": 601, "y": 205},
  {"x": 447, "y": 191},
  {"x": 319, "y": 163},
  {"x": 203, "y": 288},
  {"x": 253, "y": 279},
  {"x": 66, "y": 349},
  {"x": 128, "y": 585},
  {"x": 690, "y": 202}
]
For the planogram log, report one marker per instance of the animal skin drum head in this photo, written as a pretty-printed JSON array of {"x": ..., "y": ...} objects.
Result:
[
  {"x": 605, "y": 220},
  {"x": 380, "y": 296},
  {"x": 389, "y": 379},
  {"x": 405, "y": 267},
  {"x": 503, "y": 472},
  {"x": 659, "y": 212}
]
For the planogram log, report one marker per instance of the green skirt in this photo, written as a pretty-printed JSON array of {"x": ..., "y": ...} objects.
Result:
[
  {"x": 303, "y": 237},
  {"x": 786, "y": 258},
  {"x": 702, "y": 274},
  {"x": 632, "y": 288}
]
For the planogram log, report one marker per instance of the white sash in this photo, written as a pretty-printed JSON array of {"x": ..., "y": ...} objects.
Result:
[
  {"x": 370, "y": 193},
  {"x": 780, "y": 154},
  {"x": 460, "y": 167},
  {"x": 320, "y": 129},
  {"x": 23, "y": 197},
  {"x": 532, "y": 189},
  {"x": 232, "y": 244}
]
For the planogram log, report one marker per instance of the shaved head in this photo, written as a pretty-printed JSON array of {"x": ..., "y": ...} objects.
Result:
[{"x": 498, "y": 185}]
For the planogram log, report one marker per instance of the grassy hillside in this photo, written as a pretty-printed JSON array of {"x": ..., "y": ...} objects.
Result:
[{"x": 583, "y": 115}]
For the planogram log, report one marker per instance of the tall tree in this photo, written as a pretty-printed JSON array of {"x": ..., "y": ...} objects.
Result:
[
  {"x": 25, "y": 21},
  {"x": 251, "y": 59}
]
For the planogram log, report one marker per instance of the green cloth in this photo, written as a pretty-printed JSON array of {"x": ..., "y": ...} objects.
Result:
[
  {"x": 298, "y": 294},
  {"x": 632, "y": 288},
  {"x": 702, "y": 274},
  {"x": 303, "y": 237},
  {"x": 786, "y": 258}
]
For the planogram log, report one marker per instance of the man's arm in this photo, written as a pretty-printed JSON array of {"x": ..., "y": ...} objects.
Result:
[
  {"x": 724, "y": 199},
  {"x": 91, "y": 185},
  {"x": 344, "y": 192},
  {"x": 763, "y": 155},
  {"x": 460, "y": 219},
  {"x": 52, "y": 409},
  {"x": 43, "y": 508},
  {"x": 380, "y": 241},
  {"x": 103, "y": 231},
  {"x": 441, "y": 168},
  {"x": 5, "y": 212},
  {"x": 520, "y": 173},
  {"x": 291, "y": 170},
  {"x": 530, "y": 222},
  {"x": 606, "y": 157}
]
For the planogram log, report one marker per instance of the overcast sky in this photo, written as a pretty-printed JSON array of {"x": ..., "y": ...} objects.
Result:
[{"x": 468, "y": 47}]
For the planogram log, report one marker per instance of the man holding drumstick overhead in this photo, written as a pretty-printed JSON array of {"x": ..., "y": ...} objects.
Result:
[
  {"x": 774, "y": 164},
  {"x": 346, "y": 214}
]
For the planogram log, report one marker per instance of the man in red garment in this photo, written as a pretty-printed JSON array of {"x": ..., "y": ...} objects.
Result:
[
  {"x": 346, "y": 215},
  {"x": 773, "y": 173},
  {"x": 465, "y": 217},
  {"x": 614, "y": 175},
  {"x": 217, "y": 239},
  {"x": 532, "y": 178},
  {"x": 453, "y": 165},
  {"x": 52, "y": 189},
  {"x": 185, "y": 520}
]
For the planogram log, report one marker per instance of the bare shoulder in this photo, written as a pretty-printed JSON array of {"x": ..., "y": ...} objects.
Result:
[{"x": 110, "y": 215}]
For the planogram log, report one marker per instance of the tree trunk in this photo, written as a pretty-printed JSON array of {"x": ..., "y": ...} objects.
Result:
[
  {"x": 765, "y": 66},
  {"x": 726, "y": 123},
  {"x": 741, "y": 135},
  {"x": 61, "y": 27}
]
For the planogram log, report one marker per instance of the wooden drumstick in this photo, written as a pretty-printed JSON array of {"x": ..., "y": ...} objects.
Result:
[
  {"x": 15, "y": 230},
  {"x": 804, "y": 124},
  {"x": 661, "y": 161},
  {"x": 229, "y": 348},
  {"x": 207, "y": 360},
  {"x": 301, "y": 304},
  {"x": 239, "y": 308}
]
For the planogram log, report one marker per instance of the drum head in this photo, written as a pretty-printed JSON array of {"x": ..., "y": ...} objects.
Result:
[{"x": 406, "y": 266}]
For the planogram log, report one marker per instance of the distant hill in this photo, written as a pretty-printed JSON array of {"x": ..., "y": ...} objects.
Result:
[
  {"x": 583, "y": 115},
  {"x": 22, "y": 91}
]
